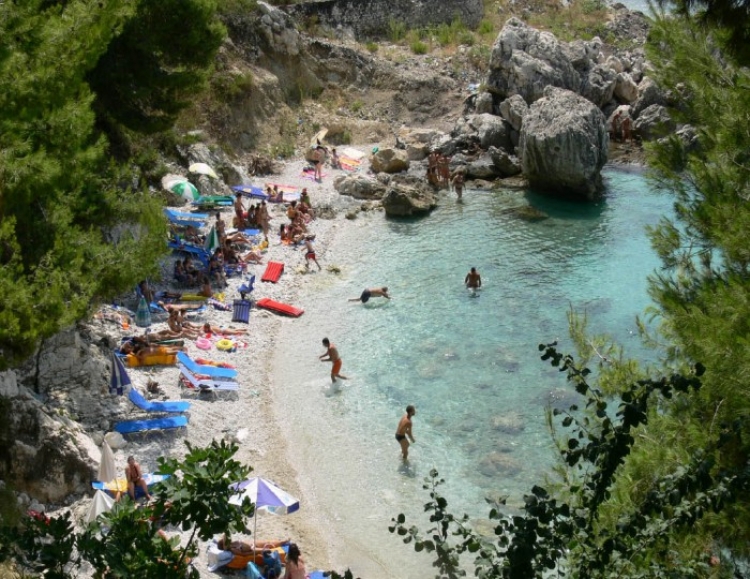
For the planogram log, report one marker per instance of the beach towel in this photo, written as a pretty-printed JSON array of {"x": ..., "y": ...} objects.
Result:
[
  {"x": 289, "y": 192},
  {"x": 352, "y": 153},
  {"x": 279, "y": 308},
  {"x": 349, "y": 164},
  {"x": 273, "y": 272},
  {"x": 309, "y": 173}
]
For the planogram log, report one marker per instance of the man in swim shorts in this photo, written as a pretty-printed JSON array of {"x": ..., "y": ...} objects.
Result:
[
  {"x": 404, "y": 430},
  {"x": 310, "y": 254},
  {"x": 473, "y": 279},
  {"x": 333, "y": 356},
  {"x": 370, "y": 293}
]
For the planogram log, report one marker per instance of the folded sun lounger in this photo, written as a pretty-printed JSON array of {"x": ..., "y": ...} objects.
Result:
[
  {"x": 273, "y": 272},
  {"x": 157, "y": 406},
  {"x": 168, "y": 423},
  {"x": 278, "y": 307},
  {"x": 205, "y": 378}
]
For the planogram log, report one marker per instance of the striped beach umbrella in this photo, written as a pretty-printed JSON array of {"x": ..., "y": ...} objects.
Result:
[
  {"x": 186, "y": 190},
  {"x": 212, "y": 241},
  {"x": 119, "y": 378}
]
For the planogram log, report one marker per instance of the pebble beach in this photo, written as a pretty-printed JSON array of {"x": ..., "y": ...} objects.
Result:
[{"x": 252, "y": 416}]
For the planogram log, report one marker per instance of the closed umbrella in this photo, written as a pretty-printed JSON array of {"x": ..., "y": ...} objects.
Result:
[
  {"x": 101, "y": 503},
  {"x": 119, "y": 378},
  {"x": 212, "y": 241},
  {"x": 318, "y": 138},
  {"x": 107, "y": 471},
  {"x": 202, "y": 169},
  {"x": 266, "y": 496},
  {"x": 186, "y": 190}
]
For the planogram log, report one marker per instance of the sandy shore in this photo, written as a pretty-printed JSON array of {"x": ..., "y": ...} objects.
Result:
[{"x": 252, "y": 416}]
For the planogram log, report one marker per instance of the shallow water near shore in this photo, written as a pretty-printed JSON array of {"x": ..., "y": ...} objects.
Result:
[{"x": 470, "y": 364}]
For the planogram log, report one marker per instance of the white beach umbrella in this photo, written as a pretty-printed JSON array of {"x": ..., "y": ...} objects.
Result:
[
  {"x": 107, "y": 470},
  {"x": 101, "y": 503},
  {"x": 202, "y": 169}
]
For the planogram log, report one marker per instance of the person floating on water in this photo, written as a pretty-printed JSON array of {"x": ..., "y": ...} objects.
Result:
[
  {"x": 404, "y": 430},
  {"x": 473, "y": 280},
  {"x": 333, "y": 356},
  {"x": 370, "y": 293}
]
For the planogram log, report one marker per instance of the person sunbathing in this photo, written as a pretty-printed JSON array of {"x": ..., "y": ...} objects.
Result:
[
  {"x": 251, "y": 256},
  {"x": 143, "y": 351},
  {"x": 179, "y": 307},
  {"x": 245, "y": 548},
  {"x": 209, "y": 329}
]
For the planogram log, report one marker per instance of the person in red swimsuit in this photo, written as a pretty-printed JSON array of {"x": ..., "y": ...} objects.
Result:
[{"x": 332, "y": 356}]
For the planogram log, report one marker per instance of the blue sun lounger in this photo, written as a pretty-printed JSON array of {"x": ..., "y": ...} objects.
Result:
[
  {"x": 205, "y": 378},
  {"x": 167, "y": 406},
  {"x": 168, "y": 423},
  {"x": 186, "y": 219}
]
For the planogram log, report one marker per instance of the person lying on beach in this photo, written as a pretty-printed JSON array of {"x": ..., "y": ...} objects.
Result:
[
  {"x": 370, "y": 293},
  {"x": 209, "y": 329},
  {"x": 251, "y": 256},
  {"x": 179, "y": 307},
  {"x": 244, "y": 548}
]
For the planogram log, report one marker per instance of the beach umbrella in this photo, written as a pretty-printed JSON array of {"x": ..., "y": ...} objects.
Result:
[
  {"x": 250, "y": 191},
  {"x": 119, "y": 378},
  {"x": 266, "y": 496},
  {"x": 101, "y": 503},
  {"x": 318, "y": 138},
  {"x": 171, "y": 179},
  {"x": 107, "y": 471},
  {"x": 186, "y": 190},
  {"x": 212, "y": 240},
  {"x": 202, "y": 169}
]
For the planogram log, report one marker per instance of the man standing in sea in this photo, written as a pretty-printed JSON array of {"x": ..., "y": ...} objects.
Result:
[
  {"x": 333, "y": 356},
  {"x": 403, "y": 430}
]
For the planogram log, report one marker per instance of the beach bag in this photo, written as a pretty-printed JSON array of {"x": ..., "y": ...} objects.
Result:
[
  {"x": 272, "y": 564},
  {"x": 241, "y": 311}
]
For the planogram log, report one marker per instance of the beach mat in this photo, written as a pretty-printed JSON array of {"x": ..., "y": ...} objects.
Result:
[
  {"x": 352, "y": 153},
  {"x": 279, "y": 308},
  {"x": 349, "y": 164},
  {"x": 273, "y": 272}
]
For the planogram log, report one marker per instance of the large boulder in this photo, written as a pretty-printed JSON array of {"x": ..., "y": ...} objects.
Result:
[
  {"x": 626, "y": 90},
  {"x": 43, "y": 453},
  {"x": 513, "y": 109},
  {"x": 507, "y": 165},
  {"x": 649, "y": 94},
  {"x": 408, "y": 199},
  {"x": 524, "y": 61},
  {"x": 599, "y": 85},
  {"x": 486, "y": 129},
  {"x": 359, "y": 186},
  {"x": 389, "y": 160},
  {"x": 653, "y": 122},
  {"x": 564, "y": 144}
]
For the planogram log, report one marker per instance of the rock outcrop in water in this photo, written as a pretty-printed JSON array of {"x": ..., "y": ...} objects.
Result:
[{"x": 564, "y": 144}]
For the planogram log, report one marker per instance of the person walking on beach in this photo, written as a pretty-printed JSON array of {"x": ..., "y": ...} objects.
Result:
[
  {"x": 371, "y": 292},
  {"x": 404, "y": 430},
  {"x": 333, "y": 356},
  {"x": 310, "y": 253},
  {"x": 473, "y": 280}
]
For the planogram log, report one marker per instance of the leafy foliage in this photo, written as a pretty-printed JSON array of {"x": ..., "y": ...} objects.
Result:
[{"x": 125, "y": 542}]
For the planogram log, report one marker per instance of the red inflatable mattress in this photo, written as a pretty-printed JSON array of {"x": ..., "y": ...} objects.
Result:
[
  {"x": 273, "y": 272},
  {"x": 279, "y": 308}
]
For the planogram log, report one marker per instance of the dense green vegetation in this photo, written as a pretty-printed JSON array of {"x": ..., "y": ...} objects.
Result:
[
  {"x": 124, "y": 542},
  {"x": 79, "y": 80}
]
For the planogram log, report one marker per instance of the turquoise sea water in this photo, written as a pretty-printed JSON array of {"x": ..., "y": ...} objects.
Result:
[{"x": 469, "y": 364}]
